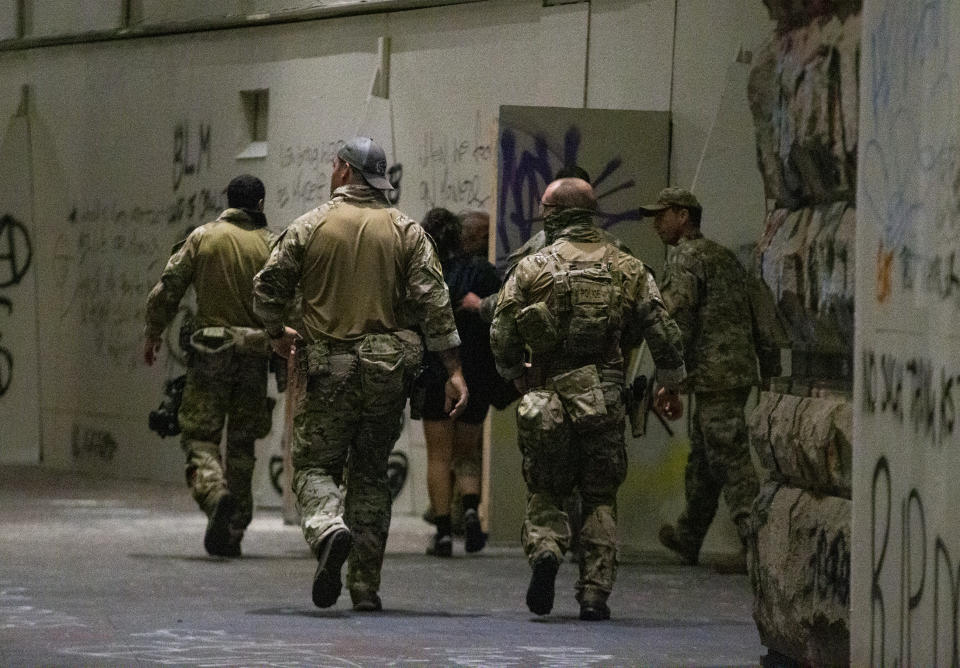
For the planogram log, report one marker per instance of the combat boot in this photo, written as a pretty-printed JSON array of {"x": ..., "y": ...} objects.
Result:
[
  {"x": 366, "y": 601},
  {"x": 594, "y": 611},
  {"x": 541, "y": 589},
  {"x": 689, "y": 554},
  {"x": 332, "y": 552},
  {"x": 218, "y": 540}
]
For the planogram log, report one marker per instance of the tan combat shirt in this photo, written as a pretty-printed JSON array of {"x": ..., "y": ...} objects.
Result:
[
  {"x": 363, "y": 268},
  {"x": 219, "y": 259}
]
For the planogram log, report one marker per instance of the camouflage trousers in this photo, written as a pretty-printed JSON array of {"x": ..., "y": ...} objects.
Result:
[
  {"x": 719, "y": 462},
  {"x": 226, "y": 388},
  {"x": 561, "y": 454},
  {"x": 346, "y": 424}
]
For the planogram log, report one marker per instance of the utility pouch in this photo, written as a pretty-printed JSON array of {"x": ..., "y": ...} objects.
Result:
[
  {"x": 252, "y": 341},
  {"x": 539, "y": 414},
  {"x": 581, "y": 395},
  {"x": 213, "y": 349},
  {"x": 591, "y": 293},
  {"x": 313, "y": 359},
  {"x": 217, "y": 340},
  {"x": 212, "y": 340},
  {"x": 538, "y": 328}
]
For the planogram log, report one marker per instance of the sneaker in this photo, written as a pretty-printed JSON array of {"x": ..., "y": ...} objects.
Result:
[
  {"x": 367, "y": 602},
  {"x": 540, "y": 590},
  {"x": 440, "y": 546},
  {"x": 217, "y": 540},
  {"x": 475, "y": 540},
  {"x": 668, "y": 538},
  {"x": 326, "y": 581}
]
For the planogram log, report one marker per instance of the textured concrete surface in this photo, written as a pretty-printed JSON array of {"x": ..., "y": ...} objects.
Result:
[
  {"x": 111, "y": 573},
  {"x": 804, "y": 442},
  {"x": 802, "y": 574}
]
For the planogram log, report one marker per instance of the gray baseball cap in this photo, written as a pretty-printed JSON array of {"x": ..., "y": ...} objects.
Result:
[
  {"x": 364, "y": 155},
  {"x": 669, "y": 197}
]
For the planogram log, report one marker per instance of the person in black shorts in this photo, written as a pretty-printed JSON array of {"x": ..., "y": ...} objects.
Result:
[{"x": 456, "y": 443}]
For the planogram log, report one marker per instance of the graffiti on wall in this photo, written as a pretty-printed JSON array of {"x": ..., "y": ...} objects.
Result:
[
  {"x": 910, "y": 170},
  {"x": 304, "y": 176},
  {"x": 87, "y": 443},
  {"x": 918, "y": 609},
  {"x": 110, "y": 252},
  {"x": 456, "y": 168},
  {"x": 191, "y": 151},
  {"x": 529, "y": 161},
  {"x": 16, "y": 254}
]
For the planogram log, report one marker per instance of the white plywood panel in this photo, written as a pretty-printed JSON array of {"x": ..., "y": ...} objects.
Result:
[
  {"x": 630, "y": 54},
  {"x": 906, "y": 436},
  {"x": 708, "y": 34},
  {"x": 19, "y": 377},
  {"x": 8, "y": 19},
  {"x": 65, "y": 17},
  {"x": 451, "y": 71},
  {"x": 726, "y": 179}
]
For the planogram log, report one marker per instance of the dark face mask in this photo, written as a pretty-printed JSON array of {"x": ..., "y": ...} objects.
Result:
[{"x": 557, "y": 221}]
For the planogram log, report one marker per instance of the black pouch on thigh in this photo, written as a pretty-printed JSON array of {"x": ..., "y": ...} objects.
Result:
[
  {"x": 581, "y": 394},
  {"x": 540, "y": 428},
  {"x": 381, "y": 359}
]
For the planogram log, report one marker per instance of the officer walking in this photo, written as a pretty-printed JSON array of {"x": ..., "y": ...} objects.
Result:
[
  {"x": 367, "y": 274},
  {"x": 706, "y": 291},
  {"x": 227, "y": 369},
  {"x": 561, "y": 322}
]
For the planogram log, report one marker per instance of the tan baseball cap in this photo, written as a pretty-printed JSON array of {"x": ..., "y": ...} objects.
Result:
[{"x": 671, "y": 197}]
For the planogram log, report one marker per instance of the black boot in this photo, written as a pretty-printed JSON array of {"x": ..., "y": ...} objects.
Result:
[{"x": 540, "y": 591}]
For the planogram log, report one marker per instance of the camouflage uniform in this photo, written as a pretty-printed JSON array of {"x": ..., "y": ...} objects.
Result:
[
  {"x": 705, "y": 289},
  {"x": 532, "y": 245},
  {"x": 366, "y": 272},
  {"x": 570, "y": 427},
  {"x": 219, "y": 259}
]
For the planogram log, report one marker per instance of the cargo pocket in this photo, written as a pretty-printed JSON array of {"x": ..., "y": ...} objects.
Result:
[
  {"x": 381, "y": 372},
  {"x": 582, "y": 395},
  {"x": 540, "y": 434}
]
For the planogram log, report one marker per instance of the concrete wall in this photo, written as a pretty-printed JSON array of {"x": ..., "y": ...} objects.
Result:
[
  {"x": 131, "y": 142},
  {"x": 906, "y": 538}
]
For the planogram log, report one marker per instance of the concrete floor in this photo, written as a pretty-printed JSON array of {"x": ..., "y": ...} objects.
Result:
[{"x": 113, "y": 573}]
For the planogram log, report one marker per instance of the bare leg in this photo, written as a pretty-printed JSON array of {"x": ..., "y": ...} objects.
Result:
[
  {"x": 440, "y": 439},
  {"x": 466, "y": 451}
]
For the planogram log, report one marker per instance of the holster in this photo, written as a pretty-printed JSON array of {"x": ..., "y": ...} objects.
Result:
[{"x": 638, "y": 401}]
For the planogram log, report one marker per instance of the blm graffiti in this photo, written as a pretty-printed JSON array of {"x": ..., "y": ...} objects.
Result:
[
  {"x": 111, "y": 251},
  {"x": 16, "y": 254}
]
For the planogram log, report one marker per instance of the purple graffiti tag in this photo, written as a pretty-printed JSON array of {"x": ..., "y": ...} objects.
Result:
[{"x": 525, "y": 173}]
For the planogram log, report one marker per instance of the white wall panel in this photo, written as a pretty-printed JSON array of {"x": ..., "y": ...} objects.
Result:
[{"x": 59, "y": 17}]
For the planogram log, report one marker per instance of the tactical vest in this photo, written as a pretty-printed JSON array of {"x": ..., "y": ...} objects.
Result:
[{"x": 581, "y": 319}]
